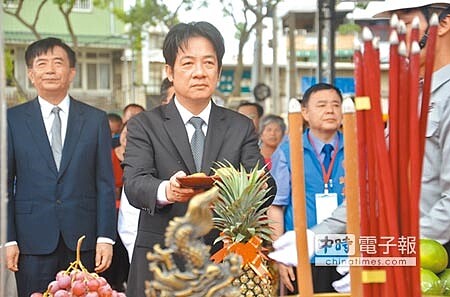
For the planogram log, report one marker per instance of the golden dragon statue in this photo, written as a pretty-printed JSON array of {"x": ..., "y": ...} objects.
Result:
[{"x": 197, "y": 276}]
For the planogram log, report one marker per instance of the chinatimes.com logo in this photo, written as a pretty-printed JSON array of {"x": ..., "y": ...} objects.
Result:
[
  {"x": 365, "y": 261},
  {"x": 340, "y": 250}
]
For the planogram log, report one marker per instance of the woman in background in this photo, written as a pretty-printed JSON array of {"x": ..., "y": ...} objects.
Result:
[{"x": 271, "y": 131}]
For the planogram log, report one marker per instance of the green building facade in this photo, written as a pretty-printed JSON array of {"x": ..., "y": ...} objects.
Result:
[{"x": 103, "y": 71}]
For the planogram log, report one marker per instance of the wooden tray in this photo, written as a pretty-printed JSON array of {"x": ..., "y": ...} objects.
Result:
[{"x": 198, "y": 182}]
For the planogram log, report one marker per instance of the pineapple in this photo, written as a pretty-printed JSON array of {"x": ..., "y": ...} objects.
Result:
[{"x": 242, "y": 220}]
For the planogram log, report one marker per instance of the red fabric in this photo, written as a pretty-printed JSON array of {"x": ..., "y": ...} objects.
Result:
[
  {"x": 117, "y": 170},
  {"x": 268, "y": 162},
  {"x": 118, "y": 174}
]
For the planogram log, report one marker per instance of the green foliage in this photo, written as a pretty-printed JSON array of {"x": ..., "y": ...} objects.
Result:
[
  {"x": 240, "y": 29},
  {"x": 150, "y": 13},
  {"x": 240, "y": 214},
  {"x": 349, "y": 28},
  {"x": 146, "y": 13},
  {"x": 102, "y": 4},
  {"x": 9, "y": 66},
  {"x": 360, "y": 3}
]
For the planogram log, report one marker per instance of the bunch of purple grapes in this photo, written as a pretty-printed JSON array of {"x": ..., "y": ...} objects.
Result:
[{"x": 79, "y": 283}]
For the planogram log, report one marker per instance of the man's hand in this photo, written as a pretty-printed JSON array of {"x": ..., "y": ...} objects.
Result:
[
  {"x": 287, "y": 276},
  {"x": 103, "y": 256},
  {"x": 12, "y": 257},
  {"x": 174, "y": 191}
]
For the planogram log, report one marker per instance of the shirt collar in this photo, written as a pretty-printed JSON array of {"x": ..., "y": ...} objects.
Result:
[
  {"x": 186, "y": 115},
  {"x": 47, "y": 107},
  {"x": 318, "y": 144},
  {"x": 440, "y": 77}
]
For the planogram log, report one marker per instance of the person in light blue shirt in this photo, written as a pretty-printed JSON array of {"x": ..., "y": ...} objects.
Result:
[{"x": 324, "y": 175}]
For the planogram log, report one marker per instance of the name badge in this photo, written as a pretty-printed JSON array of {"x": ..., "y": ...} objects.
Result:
[{"x": 326, "y": 203}]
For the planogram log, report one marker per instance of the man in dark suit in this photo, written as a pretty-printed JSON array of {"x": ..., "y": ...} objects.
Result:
[
  {"x": 159, "y": 141},
  {"x": 60, "y": 180}
]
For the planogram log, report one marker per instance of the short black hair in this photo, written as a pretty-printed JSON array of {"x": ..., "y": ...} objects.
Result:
[
  {"x": 114, "y": 117},
  {"x": 133, "y": 105},
  {"x": 179, "y": 35},
  {"x": 258, "y": 106},
  {"x": 165, "y": 85},
  {"x": 319, "y": 87},
  {"x": 42, "y": 46}
]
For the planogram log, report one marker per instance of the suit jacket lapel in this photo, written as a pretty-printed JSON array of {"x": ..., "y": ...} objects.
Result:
[
  {"x": 217, "y": 127},
  {"x": 35, "y": 123},
  {"x": 75, "y": 122},
  {"x": 177, "y": 133}
]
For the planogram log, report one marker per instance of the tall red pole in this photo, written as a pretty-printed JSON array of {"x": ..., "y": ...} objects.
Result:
[
  {"x": 415, "y": 160},
  {"x": 362, "y": 149},
  {"x": 370, "y": 150},
  {"x": 385, "y": 195},
  {"x": 404, "y": 141},
  {"x": 429, "y": 67},
  {"x": 394, "y": 111},
  {"x": 414, "y": 36}
]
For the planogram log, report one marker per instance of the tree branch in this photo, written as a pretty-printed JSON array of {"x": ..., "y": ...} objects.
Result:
[
  {"x": 30, "y": 26},
  {"x": 38, "y": 12},
  {"x": 66, "y": 14}
]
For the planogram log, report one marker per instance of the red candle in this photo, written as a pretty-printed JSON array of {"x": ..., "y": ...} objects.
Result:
[
  {"x": 415, "y": 160},
  {"x": 362, "y": 151},
  {"x": 429, "y": 67},
  {"x": 404, "y": 140},
  {"x": 401, "y": 31},
  {"x": 414, "y": 36},
  {"x": 394, "y": 110},
  {"x": 393, "y": 23},
  {"x": 378, "y": 139},
  {"x": 385, "y": 194},
  {"x": 373, "y": 190}
]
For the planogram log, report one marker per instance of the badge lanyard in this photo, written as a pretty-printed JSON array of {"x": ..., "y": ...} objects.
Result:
[{"x": 326, "y": 174}]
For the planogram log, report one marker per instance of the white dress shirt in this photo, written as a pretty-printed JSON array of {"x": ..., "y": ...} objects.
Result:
[
  {"x": 186, "y": 115},
  {"x": 48, "y": 116},
  {"x": 127, "y": 224}
]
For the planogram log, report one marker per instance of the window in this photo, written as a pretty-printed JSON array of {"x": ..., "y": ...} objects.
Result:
[
  {"x": 156, "y": 40},
  {"x": 82, "y": 5},
  {"x": 104, "y": 76},
  {"x": 156, "y": 75},
  {"x": 92, "y": 76},
  {"x": 94, "y": 71},
  {"x": 77, "y": 81},
  {"x": 9, "y": 67},
  {"x": 11, "y": 3},
  {"x": 91, "y": 55}
]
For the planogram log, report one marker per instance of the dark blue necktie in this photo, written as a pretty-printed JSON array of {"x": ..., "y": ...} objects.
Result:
[{"x": 327, "y": 150}]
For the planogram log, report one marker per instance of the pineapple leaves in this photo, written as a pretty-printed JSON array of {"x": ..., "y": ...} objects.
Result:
[{"x": 239, "y": 210}]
